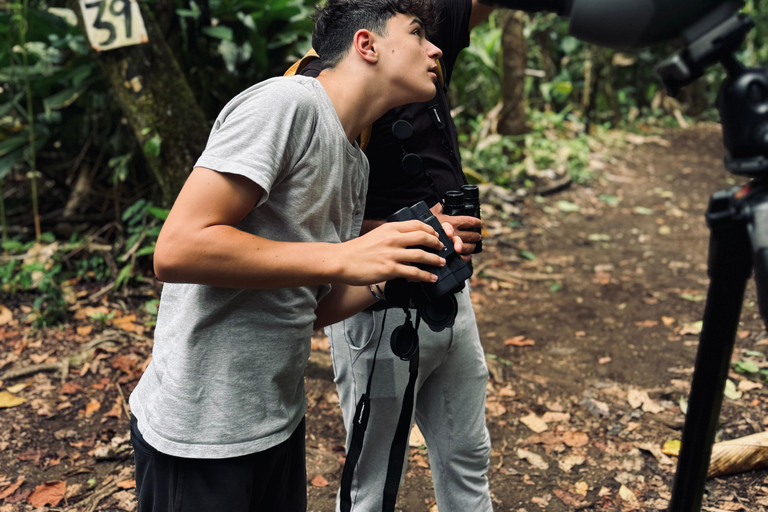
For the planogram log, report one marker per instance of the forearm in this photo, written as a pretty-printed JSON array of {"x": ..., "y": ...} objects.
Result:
[
  {"x": 223, "y": 255},
  {"x": 342, "y": 302}
]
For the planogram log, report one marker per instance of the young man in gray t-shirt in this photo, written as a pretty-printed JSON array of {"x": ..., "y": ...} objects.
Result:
[{"x": 259, "y": 249}]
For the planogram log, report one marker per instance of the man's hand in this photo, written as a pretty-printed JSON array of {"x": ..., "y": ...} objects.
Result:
[
  {"x": 388, "y": 252},
  {"x": 462, "y": 226}
]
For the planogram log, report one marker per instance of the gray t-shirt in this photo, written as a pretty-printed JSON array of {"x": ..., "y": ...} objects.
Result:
[{"x": 226, "y": 377}]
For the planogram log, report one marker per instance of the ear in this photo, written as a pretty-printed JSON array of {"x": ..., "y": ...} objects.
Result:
[{"x": 363, "y": 44}]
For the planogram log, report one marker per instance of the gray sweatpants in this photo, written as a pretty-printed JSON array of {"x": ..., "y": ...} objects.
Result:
[{"x": 449, "y": 404}]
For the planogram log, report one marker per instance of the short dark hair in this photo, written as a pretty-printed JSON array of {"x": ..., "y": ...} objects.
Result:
[{"x": 337, "y": 22}]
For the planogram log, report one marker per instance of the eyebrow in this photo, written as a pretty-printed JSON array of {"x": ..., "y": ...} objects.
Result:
[{"x": 418, "y": 22}]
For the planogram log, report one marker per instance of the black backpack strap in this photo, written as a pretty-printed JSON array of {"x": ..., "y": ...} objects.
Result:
[
  {"x": 400, "y": 440},
  {"x": 359, "y": 424}
]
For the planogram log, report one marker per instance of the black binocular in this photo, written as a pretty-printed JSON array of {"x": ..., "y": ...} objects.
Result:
[
  {"x": 434, "y": 302},
  {"x": 464, "y": 202}
]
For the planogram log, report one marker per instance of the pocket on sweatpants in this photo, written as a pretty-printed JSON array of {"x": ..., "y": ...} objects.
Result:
[{"x": 360, "y": 330}]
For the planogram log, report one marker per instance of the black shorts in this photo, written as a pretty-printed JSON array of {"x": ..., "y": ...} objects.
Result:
[{"x": 272, "y": 480}]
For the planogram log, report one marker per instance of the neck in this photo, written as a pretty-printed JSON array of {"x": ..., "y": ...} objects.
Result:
[{"x": 353, "y": 92}]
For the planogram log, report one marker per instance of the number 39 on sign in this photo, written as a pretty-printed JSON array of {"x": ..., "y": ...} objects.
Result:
[{"x": 113, "y": 23}]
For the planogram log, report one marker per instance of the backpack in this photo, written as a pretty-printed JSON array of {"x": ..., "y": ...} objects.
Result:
[{"x": 365, "y": 136}]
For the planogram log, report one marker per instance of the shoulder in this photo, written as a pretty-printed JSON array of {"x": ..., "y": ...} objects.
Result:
[{"x": 286, "y": 96}]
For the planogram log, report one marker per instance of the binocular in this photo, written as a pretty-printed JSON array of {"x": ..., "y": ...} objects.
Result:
[{"x": 464, "y": 202}]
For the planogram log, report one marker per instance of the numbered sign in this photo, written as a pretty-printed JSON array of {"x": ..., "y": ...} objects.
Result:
[{"x": 113, "y": 23}]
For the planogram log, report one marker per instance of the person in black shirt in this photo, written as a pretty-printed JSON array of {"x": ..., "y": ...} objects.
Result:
[{"x": 450, "y": 390}]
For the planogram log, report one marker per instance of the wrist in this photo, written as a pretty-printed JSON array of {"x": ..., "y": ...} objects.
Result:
[{"x": 377, "y": 290}]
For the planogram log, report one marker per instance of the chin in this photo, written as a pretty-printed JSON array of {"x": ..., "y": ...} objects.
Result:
[{"x": 428, "y": 94}]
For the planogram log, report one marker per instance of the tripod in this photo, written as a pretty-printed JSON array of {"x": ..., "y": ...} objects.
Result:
[{"x": 738, "y": 223}]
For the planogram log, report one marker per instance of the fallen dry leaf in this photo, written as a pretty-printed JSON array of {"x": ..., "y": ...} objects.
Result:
[
  {"x": 70, "y": 388},
  {"x": 421, "y": 461},
  {"x": 126, "y": 484},
  {"x": 84, "y": 330},
  {"x": 667, "y": 320},
  {"x": 570, "y": 500},
  {"x": 6, "y": 315},
  {"x": 117, "y": 409},
  {"x": 319, "y": 481},
  {"x": 533, "y": 459},
  {"x": 647, "y": 323},
  {"x": 627, "y": 495},
  {"x": 568, "y": 462},
  {"x": 495, "y": 408},
  {"x": 126, "y": 364},
  {"x": 416, "y": 439},
  {"x": 17, "y": 388},
  {"x": 39, "y": 358},
  {"x": 556, "y": 417},
  {"x": 575, "y": 439},
  {"x": 90, "y": 408},
  {"x": 11, "y": 488},
  {"x": 604, "y": 360},
  {"x": 534, "y": 423},
  {"x": 125, "y": 323},
  {"x": 748, "y": 385},
  {"x": 671, "y": 447},
  {"x": 581, "y": 487},
  {"x": 519, "y": 341},
  {"x": 49, "y": 493},
  {"x": 10, "y": 400}
]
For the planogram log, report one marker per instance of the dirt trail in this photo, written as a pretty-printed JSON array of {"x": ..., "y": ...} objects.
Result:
[
  {"x": 611, "y": 303},
  {"x": 587, "y": 303}
]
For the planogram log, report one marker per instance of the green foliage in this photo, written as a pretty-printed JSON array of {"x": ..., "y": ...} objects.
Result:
[
  {"x": 143, "y": 222},
  {"x": 43, "y": 278}
]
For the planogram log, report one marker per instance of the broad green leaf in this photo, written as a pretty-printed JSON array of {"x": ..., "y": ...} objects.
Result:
[
  {"x": 219, "y": 32},
  {"x": 528, "y": 255},
  {"x": 134, "y": 209},
  {"x": 65, "y": 98},
  {"x": 641, "y": 210},
  {"x": 747, "y": 366},
  {"x": 144, "y": 251},
  {"x": 160, "y": 213},
  {"x": 123, "y": 276},
  {"x": 152, "y": 146},
  {"x": 13, "y": 143}
]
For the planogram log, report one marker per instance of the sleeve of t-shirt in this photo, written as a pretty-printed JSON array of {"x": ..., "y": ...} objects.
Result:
[
  {"x": 262, "y": 133},
  {"x": 453, "y": 30}
]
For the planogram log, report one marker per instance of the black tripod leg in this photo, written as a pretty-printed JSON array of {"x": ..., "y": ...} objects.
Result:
[{"x": 730, "y": 265}]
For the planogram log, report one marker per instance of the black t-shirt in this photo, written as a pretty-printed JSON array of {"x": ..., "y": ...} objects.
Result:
[{"x": 390, "y": 187}]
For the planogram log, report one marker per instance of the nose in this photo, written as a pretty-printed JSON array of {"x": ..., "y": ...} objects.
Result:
[{"x": 433, "y": 51}]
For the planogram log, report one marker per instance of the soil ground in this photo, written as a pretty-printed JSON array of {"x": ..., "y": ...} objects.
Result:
[{"x": 587, "y": 303}]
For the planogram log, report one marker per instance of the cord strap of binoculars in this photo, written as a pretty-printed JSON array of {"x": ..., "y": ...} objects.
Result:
[
  {"x": 359, "y": 424},
  {"x": 400, "y": 440}
]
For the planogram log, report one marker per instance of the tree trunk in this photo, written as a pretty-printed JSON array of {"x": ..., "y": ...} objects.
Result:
[
  {"x": 513, "y": 115},
  {"x": 156, "y": 99}
]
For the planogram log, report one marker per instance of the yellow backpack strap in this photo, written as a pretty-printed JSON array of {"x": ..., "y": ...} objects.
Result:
[
  {"x": 365, "y": 137},
  {"x": 440, "y": 72},
  {"x": 302, "y": 63}
]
